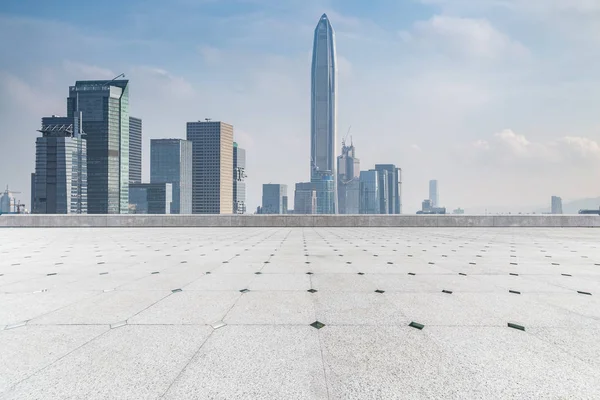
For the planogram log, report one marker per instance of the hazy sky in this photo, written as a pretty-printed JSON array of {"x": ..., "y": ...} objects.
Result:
[{"x": 497, "y": 99}]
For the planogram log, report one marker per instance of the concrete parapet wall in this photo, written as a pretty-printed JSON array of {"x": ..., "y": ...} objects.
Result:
[{"x": 450, "y": 221}]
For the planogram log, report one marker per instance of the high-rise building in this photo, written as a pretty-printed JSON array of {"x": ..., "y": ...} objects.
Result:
[
  {"x": 393, "y": 187},
  {"x": 274, "y": 199},
  {"x": 105, "y": 109},
  {"x": 135, "y": 150},
  {"x": 8, "y": 202},
  {"x": 433, "y": 193},
  {"x": 239, "y": 177},
  {"x": 305, "y": 198},
  {"x": 557, "y": 205},
  {"x": 171, "y": 162},
  {"x": 324, "y": 116},
  {"x": 370, "y": 192},
  {"x": 60, "y": 179},
  {"x": 427, "y": 208},
  {"x": 348, "y": 181},
  {"x": 212, "y": 166},
  {"x": 150, "y": 198}
]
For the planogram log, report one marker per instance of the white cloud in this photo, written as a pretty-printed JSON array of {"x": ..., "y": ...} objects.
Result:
[
  {"x": 464, "y": 36},
  {"x": 84, "y": 71},
  {"x": 210, "y": 54},
  {"x": 509, "y": 147},
  {"x": 159, "y": 81},
  {"x": 538, "y": 6}
]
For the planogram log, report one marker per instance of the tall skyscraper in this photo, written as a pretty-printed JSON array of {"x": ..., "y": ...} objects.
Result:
[
  {"x": 60, "y": 179},
  {"x": 135, "y": 150},
  {"x": 324, "y": 116},
  {"x": 557, "y": 205},
  {"x": 393, "y": 187},
  {"x": 239, "y": 177},
  {"x": 433, "y": 193},
  {"x": 171, "y": 162},
  {"x": 274, "y": 199},
  {"x": 105, "y": 109},
  {"x": 348, "y": 182},
  {"x": 212, "y": 166}
]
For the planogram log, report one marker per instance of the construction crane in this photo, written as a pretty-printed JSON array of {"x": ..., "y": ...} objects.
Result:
[{"x": 346, "y": 137}]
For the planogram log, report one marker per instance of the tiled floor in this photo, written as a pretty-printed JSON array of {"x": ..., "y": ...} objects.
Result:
[{"x": 226, "y": 313}]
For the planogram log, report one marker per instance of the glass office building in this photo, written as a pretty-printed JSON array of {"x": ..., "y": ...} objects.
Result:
[
  {"x": 150, "y": 198},
  {"x": 171, "y": 162},
  {"x": 212, "y": 166},
  {"x": 60, "y": 179},
  {"x": 239, "y": 178},
  {"x": 305, "y": 198},
  {"x": 324, "y": 116},
  {"x": 104, "y": 106},
  {"x": 348, "y": 185},
  {"x": 393, "y": 187},
  {"x": 370, "y": 198},
  {"x": 135, "y": 150},
  {"x": 274, "y": 199}
]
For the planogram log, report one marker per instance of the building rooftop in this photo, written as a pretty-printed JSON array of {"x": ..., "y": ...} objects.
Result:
[{"x": 299, "y": 313}]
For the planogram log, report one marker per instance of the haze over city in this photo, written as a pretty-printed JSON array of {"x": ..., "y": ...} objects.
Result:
[{"x": 497, "y": 100}]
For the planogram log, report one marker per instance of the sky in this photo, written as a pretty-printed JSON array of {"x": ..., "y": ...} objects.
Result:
[{"x": 499, "y": 100}]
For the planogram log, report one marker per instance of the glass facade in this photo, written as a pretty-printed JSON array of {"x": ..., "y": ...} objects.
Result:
[
  {"x": 60, "y": 179},
  {"x": 324, "y": 116},
  {"x": 171, "y": 162},
  {"x": 212, "y": 166},
  {"x": 105, "y": 111},
  {"x": 305, "y": 198},
  {"x": 348, "y": 186},
  {"x": 150, "y": 198},
  {"x": 239, "y": 177},
  {"x": 369, "y": 192},
  {"x": 433, "y": 193},
  {"x": 393, "y": 187},
  {"x": 274, "y": 199},
  {"x": 135, "y": 150}
]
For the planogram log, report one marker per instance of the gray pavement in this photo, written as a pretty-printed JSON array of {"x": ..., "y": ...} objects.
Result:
[{"x": 229, "y": 313}]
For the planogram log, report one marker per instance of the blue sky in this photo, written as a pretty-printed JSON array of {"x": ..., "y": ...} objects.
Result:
[{"x": 497, "y": 99}]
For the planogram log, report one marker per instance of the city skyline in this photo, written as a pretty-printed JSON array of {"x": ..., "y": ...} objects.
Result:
[{"x": 446, "y": 118}]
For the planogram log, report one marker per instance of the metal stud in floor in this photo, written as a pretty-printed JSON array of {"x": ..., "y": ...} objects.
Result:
[
  {"x": 317, "y": 325},
  {"x": 515, "y": 326},
  {"x": 416, "y": 325}
]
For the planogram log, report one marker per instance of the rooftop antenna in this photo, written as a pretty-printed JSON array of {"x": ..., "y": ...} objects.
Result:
[
  {"x": 207, "y": 119},
  {"x": 121, "y": 75}
]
